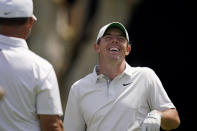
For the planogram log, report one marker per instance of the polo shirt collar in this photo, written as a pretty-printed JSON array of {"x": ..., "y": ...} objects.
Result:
[
  {"x": 128, "y": 71},
  {"x": 96, "y": 75},
  {"x": 6, "y": 41}
]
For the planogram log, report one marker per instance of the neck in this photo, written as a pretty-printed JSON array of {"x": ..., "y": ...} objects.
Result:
[
  {"x": 113, "y": 69},
  {"x": 13, "y": 31}
]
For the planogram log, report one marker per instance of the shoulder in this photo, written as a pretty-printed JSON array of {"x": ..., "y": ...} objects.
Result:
[
  {"x": 142, "y": 70},
  {"x": 39, "y": 59},
  {"x": 83, "y": 84},
  {"x": 85, "y": 81},
  {"x": 144, "y": 73},
  {"x": 40, "y": 67},
  {"x": 30, "y": 58},
  {"x": 39, "y": 62}
]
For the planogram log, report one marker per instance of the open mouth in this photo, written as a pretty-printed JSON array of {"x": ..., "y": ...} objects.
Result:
[{"x": 114, "y": 49}]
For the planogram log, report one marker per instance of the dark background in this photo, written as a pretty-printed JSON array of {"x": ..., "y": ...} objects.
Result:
[{"x": 157, "y": 33}]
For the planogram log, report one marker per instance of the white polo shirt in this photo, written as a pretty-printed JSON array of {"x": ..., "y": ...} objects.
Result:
[
  {"x": 30, "y": 86},
  {"x": 98, "y": 104}
]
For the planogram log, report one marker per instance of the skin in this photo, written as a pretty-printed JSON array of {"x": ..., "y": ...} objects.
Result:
[
  {"x": 170, "y": 119},
  {"x": 19, "y": 31},
  {"x": 51, "y": 123},
  {"x": 47, "y": 122},
  {"x": 112, "y": 63}
]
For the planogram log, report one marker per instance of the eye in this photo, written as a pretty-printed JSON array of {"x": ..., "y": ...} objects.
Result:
[
  {"x": 121, "y": 39},
  {"x": 107, "y": 37}
]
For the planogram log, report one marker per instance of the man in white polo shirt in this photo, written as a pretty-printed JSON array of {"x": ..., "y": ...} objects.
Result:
[
  {"x": 116, "y": 96},
  {"x": 31, "y": 100}
]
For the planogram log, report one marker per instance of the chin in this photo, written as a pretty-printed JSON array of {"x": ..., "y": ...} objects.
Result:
[{"x": 117, "y": 58}]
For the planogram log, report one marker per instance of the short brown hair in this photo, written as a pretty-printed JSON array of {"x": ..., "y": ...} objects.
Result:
[{"x": 13, "y": 21}]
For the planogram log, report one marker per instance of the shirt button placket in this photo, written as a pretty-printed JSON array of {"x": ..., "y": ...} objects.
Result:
[{"x": 108, "y": 85}]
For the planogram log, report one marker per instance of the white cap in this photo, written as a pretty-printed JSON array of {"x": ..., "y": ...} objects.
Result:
[
  {"x": 112, "y": 25},
  {"x": 16, "y": 8}
]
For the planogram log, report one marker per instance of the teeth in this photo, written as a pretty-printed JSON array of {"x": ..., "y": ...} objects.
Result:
[{"x": 114, "y": 49}]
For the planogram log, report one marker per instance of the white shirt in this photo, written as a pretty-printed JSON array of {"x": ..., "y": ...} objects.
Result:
[
  {"x": 98, "y": 104},
  {"x": 30, "y": 86}
]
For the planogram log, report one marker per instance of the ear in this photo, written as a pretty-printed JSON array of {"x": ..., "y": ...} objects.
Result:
[
  {"x": 97, "y": 47},
  {"x": 128, "y": 50},
  {"x": 30, "y": 22}
]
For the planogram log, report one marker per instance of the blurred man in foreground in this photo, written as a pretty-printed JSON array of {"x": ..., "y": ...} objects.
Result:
[{"x": 32, "y": 99}]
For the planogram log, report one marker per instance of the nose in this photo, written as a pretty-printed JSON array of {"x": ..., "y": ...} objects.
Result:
[{"x": 115, "y": 39}]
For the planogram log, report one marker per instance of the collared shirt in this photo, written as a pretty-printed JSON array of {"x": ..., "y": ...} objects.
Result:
[
  {"x": 30, "y": 86},
  {"x": 99, "y": 104}
]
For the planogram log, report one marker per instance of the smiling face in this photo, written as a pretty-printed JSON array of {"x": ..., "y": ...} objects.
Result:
[{"x": 113, "y": 46}]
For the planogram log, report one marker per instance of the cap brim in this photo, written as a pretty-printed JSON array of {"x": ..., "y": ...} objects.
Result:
[
  {"x": 112, "y": 25},
  {"x": 34, "y": 17}
]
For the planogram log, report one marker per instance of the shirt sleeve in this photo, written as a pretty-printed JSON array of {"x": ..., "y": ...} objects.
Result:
[
  {"x": 73, "y": 119},
  {"x": 158, "y": 98},
  {"x": 48, "y": 96}
]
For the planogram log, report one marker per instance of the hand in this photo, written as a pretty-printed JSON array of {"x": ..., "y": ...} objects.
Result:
[{"x": 152, "y": 121}]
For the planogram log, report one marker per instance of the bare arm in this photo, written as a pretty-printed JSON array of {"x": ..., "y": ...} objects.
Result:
[
  {"x": 170, "y": 119},
  {"x": 51, "y": 123}
]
